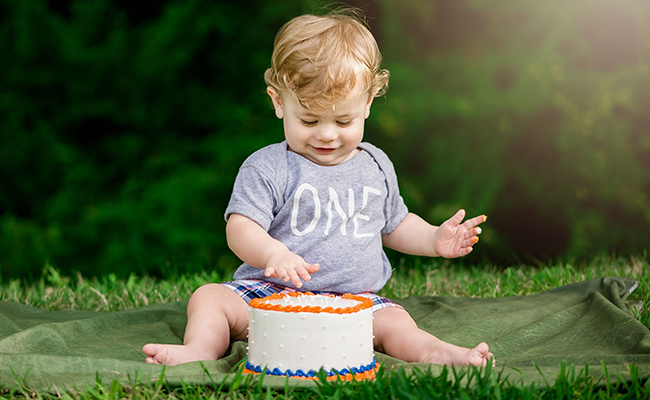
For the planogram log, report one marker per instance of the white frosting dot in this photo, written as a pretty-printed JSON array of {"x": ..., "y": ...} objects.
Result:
[{"x": 281, "y": 346}]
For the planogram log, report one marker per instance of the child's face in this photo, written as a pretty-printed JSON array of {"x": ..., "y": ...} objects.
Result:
[{"x": 327, "y": 137}]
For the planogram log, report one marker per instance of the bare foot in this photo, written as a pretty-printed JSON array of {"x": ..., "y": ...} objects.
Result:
[
  {"x": 455, "y": 355},
  {"x": 173, "y": 354}
]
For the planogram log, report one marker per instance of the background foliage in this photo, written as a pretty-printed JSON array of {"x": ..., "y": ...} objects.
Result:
[{"x": 123, "y": 124}]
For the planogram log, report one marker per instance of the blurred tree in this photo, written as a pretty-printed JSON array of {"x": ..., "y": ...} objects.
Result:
[
  {"x": 122, "y": 124},
  {"x": 527, "y": 111},
  {"x": 123, "y": 127}
]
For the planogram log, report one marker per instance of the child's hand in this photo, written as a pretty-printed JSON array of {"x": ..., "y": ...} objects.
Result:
[
  {"x": 453, "y": 239},
  {"x": 289, "y": 267}
]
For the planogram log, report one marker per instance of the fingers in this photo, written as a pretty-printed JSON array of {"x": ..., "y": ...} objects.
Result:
[
  {"x": 270, "y": 272},
  {"x": 293, "y": 274},
  {"x": 470, "y": 223},
  {"x": 474, "y": 232},
  {"x": 303, "y": 272},
  {"x": 457, "y": 218},
  {"x": 285, "y": 274},
  {"x": 470, "y": 237},
  {"x": 294, "y": 278},
  {"x": 469, "y": 242},
  {"x": 311, "y": 268}
]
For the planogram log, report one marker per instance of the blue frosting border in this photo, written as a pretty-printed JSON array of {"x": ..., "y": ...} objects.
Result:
[{"x": 311, "y": 373}]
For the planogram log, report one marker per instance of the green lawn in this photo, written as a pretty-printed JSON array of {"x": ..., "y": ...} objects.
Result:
[{"x": 412, "y": 277}]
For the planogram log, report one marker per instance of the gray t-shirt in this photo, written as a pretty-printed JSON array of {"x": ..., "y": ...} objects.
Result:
[{"x": 334, "y": 215}]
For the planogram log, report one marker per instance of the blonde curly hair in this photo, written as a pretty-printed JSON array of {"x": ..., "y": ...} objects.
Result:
[{"x": 320, "y": 58}]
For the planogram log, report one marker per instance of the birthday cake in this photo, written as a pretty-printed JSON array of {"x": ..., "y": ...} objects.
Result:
[{"x": 298, "y": 334}]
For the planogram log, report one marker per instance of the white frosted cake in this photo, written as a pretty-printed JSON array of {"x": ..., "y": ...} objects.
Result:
[{"x": 297, "y": 334}]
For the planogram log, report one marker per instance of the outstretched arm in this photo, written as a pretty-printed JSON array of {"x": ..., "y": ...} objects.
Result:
[
  {"x": 454, "y": 238},
  {"x": 253, "y": 245}
]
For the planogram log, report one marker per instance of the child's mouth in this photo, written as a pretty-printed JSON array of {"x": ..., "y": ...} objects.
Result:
[{"x": 323, "y": 150}]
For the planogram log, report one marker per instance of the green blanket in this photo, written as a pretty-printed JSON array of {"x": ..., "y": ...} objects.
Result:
[{"x": 530, "y": 337}]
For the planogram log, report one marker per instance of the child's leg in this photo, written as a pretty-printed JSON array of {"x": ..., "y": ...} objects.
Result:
[
  {"x": 397, "y": 335},
  {"x": 215, "y": 314}
]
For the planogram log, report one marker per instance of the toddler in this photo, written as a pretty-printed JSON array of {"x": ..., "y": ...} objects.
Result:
[{"x": 312, "y": 213}]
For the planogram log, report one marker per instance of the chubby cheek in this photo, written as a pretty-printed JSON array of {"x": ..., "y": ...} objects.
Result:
[
  {"x": 295, "y": 135},
  {"x": 353, "y": 138}
]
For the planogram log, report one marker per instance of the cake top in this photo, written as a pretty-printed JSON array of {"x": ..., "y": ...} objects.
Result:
[{"x": 312, "y": 303}]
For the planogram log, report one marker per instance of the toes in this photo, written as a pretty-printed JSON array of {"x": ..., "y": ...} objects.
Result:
[
  {"x": 484, "y": 356},
  {"x": 483, "y": 348},
  {"x": 490, "y": 358},
  {"x": 154, "y": 353},
  {"x": 150, "y": 349},
  {"x": 151, "y": 360}
]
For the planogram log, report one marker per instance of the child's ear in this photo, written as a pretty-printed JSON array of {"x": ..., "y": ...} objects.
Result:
[
  {"x": 370, "y": 99},
  {"x": 277, "y": 101}
]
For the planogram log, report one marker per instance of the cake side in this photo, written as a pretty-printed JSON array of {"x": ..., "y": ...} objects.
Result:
[{"x": 309, "y": 333}]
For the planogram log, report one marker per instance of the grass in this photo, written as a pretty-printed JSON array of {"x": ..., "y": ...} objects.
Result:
[
  {"x": 413, "y": 277},
  {"x": 451, "y": 383}
]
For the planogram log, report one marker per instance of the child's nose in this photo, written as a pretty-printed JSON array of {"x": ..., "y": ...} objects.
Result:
[{"x": 327, "y": 133}]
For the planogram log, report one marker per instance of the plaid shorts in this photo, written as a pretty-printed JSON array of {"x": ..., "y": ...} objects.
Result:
[{"x": 250, "y": 289}]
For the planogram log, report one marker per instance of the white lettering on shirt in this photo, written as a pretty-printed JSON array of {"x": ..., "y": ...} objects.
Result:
[
  {"x": 366, "y": 191},
  {"x": 296, "y": 206},
  {"x": 334, "y": 201},
  {"x": 333, "y": 207}
]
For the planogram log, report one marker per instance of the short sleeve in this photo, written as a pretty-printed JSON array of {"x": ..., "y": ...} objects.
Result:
[
  {"x": 255, "y": 195},
  {"x": 395, "y": 209}
]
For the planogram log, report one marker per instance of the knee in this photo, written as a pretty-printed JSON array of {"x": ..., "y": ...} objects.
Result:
[
  {"x": 212, "y": 293},
  {"x": 208, "y": 289},
  {"x": 392, "y": 314},
  {"x": 391, "y": 318}
]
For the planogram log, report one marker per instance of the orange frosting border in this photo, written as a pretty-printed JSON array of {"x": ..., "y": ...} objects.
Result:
[
  {"x": 361, "y": 376},
  {"x": 262, "y": 304}
]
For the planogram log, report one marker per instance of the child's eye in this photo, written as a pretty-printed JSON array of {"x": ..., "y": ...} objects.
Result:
[
  {"x": 343, "y": 124},
  {"x": 308, "y": 123}
]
